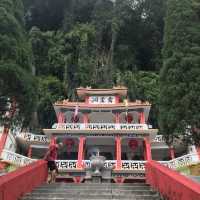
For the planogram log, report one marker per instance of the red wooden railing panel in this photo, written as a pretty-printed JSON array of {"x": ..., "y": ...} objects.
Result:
[
  {"x": 171, "y": 184},
  {"x": 17, "y": 183}
]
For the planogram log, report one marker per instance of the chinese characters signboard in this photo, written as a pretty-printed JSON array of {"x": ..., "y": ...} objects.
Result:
[{"x": 102, "y": 100}]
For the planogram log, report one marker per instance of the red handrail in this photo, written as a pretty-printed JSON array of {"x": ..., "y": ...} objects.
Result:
[
  {"x": 17, "y": 183},
  {"x": 171, "y": 184}
]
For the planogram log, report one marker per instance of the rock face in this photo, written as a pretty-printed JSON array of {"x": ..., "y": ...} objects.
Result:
[{"x": 93, "y": 191}]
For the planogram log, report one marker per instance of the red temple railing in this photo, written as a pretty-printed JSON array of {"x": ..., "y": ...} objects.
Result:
[
  {"x": 17, "y": 183},
  {"x": 171, "y": 184}
]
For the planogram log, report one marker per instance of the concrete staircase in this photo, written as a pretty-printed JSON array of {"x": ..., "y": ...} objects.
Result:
[{"x": 89, "y": 191}]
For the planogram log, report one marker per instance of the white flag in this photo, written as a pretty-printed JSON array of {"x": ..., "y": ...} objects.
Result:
[{"x": 76, "y": 111}]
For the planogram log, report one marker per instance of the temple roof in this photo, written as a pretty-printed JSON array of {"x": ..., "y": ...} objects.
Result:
[
  {"x": 122, "y": 91},
  {"x": 83, "y": 105}
]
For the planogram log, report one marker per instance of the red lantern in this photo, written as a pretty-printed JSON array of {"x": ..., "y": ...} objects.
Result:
[
  {"x": 69, "y": 144},
  {"x": 129, "y": 118},
  {"x": 133, "y": 144}
]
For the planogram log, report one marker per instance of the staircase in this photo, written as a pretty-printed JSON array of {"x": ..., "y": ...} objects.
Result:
[{"x": 89, "y": 191}]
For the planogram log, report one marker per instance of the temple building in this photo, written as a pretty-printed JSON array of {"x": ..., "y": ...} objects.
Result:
[{"x": 101, "y": 121}]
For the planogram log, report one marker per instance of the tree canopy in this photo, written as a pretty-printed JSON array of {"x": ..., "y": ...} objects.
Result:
[
  {"x": 179, "y": 76},
  {"x": 16, "y": 81},
  {"x": 94, "y": 43},
  {"x": 48, "y": 48}
]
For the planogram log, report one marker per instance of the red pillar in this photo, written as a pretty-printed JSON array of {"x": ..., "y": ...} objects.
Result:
[
  {"x": 80, "y": 152},
  {"x": 147, "y": 149},
  {"x": 3, "y": 138},
  {"x": 117, "y": 118},
  {"x": 60, "y": 117},
  {"x": 142, "y": 118},
  {"x": 87, "y": 99},
  {"x": 118, "y": 152},
  {"x": 117, "y": 99},
  {"x": 145, "y": 156},
  {"x": 30, "y": 152},
  {"x": 171, "y": 152},
  {"x": 85, "y": 118}
]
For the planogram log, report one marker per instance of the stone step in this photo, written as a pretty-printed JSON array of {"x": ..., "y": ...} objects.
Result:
[
  {"x": 97, "y": 184},
  {"x": 94, "y": 186},
  {"x": 96, "y": 191},
  {"x": 135, "y": 197},
  {"x": 89, "y": 184},
  {"x": 93, "y": 191}
]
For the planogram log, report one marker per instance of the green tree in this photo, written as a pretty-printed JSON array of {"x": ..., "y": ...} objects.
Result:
[
  {"x": 142, "y": 86},
  {"x": 50, "y": 90},
  {"x": 179, "y": 76},
  {"x": 140, "y": 34},
  {"x": 79, "y": 51},
  {"x": 16, "y": 81},
  {"x": 97, "y": 39},
  {"x": 46, "y": 15}
]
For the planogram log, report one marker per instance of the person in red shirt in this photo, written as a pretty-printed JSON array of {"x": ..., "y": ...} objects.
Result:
[{"x": 50, "y": 157}]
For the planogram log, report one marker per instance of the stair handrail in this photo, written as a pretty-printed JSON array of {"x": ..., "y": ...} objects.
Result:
[
  {"x": 171, "y": 184},
  {"x": 15, "y": 158},
  {"x": 31, "y": 137},
  {"x": 185, "y": 160},
  {"x": 14, "y": 185},
  {"x": 182, "y": 161}
]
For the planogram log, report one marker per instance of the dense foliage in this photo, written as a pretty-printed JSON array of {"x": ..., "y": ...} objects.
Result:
[
  {"x": 48, "y": 48},
  {"x": 180, "y": 75},
  {"x": 98, "y": 43},
  {"x": 16, "y": 81}
]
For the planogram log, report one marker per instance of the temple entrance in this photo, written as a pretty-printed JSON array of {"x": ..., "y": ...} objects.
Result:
[
  {"x": 131, "y": 148},
  {"x": 105, "y": 146}
]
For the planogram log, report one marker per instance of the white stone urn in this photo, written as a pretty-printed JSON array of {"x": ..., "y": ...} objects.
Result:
[{"x": 97, "y": 163}]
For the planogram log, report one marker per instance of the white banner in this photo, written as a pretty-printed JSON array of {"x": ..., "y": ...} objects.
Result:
[{"x": 100, "y": 126}]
